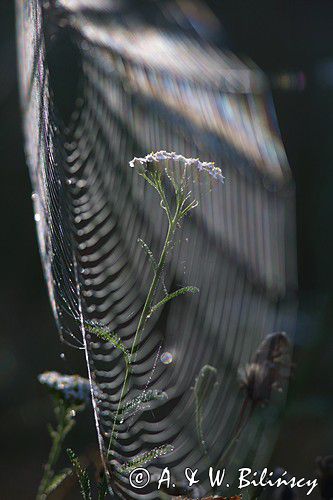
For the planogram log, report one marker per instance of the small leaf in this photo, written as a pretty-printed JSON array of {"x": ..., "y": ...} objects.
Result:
[
  {"x": 204, "y": 383},
  {"x": 51, "y": 431},
  {"x": 173, "y": 295},
  {"x": 152, "y": 260},
  {"x": 146, "y": 457},
  {"x": 57, "y": 480},
  {"x": 82, "y": 475},
  {"x": 104, "y": 333},
  {"x": 148, "y": 252},
  {"x": 146, "y": 397}
]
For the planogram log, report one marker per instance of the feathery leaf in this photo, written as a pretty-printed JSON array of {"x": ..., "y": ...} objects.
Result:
[
  {"x": 173, "y": 295},
  {"x": 81, "y": 474}
]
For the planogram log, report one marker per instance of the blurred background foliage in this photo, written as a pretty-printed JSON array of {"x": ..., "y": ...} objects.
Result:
[{"x": 282, "y": 38}]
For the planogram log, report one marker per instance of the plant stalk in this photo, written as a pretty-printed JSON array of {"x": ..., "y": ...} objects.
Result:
[
  {"x": 145, "y": 315},
  {"x": 157, "y": 276},
  {"x": 65, "y": 423}
]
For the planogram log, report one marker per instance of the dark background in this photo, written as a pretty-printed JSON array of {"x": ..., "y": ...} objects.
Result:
[{"x": 280, "y": 37}]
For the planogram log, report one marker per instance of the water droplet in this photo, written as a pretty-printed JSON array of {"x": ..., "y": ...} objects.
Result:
[
  {"x": 166, "y": 358},
  {"x": 73, "y": 413},
  {"x": 62, "y": 355},
  {"x": 37, "y": 217},
  {"x": 81, "y": 183}
]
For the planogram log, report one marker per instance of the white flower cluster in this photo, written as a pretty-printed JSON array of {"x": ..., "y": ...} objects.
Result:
[
  {"x": 160, "y": 156},
  {"x": 70, "y": 387}
]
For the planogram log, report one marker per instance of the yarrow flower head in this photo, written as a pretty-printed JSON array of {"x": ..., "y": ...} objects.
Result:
[
  {"x": 159, "y": 168},
  {"x": 163, "y": 159},
  {"x": 71, "y": 388}
]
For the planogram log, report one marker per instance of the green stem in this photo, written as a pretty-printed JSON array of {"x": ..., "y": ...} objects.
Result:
[
  {"x": 145, "y": 315},
  {"x": 65, "y": 423},
  {"x": 157, "y": 276},
  {"x": 155, "y": 181}
]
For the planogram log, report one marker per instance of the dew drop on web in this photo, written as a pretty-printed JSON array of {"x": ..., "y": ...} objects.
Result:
[{"x": 166, "y": 358}]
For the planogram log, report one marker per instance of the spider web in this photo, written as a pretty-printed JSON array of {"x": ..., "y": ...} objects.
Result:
[{"x": 148, "y": 84}]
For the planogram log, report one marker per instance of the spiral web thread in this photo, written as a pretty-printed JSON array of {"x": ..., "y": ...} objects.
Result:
[{"x": 143, "y": 89}]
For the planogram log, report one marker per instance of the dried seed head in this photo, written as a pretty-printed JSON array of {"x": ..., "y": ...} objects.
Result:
[
  {"x": 275, "y": 348},
  {"x": 257, "y": 380},
  {"x": 271, "y": 366},
  {"x": 71, "y": 388}
]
